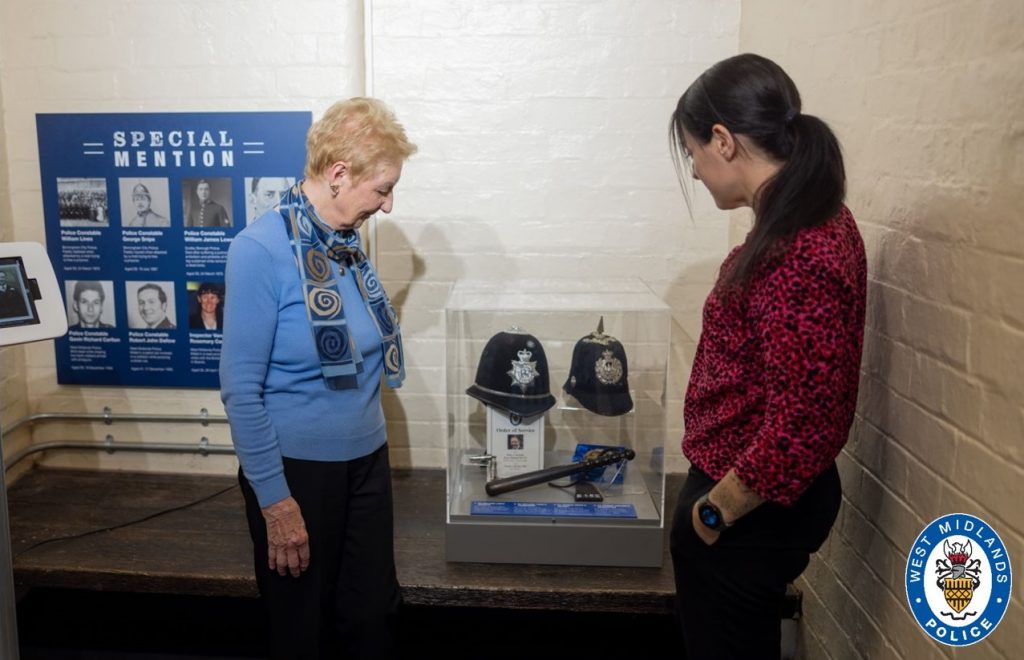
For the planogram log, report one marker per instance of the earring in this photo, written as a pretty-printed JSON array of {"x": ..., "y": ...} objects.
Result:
[{"x": 334, "y": 189}]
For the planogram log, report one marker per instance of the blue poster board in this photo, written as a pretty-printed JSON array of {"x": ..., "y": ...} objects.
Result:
[{"x": 140, "y": 209}]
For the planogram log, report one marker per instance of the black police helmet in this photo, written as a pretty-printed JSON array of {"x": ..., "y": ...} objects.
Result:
[{"x": 513, "y": 375}]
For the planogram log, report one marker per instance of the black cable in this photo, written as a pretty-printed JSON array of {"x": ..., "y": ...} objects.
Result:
[{"x": 125, "y": 524}]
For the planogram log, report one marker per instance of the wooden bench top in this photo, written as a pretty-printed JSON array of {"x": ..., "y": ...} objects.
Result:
[{"x": 205, "y": 549}]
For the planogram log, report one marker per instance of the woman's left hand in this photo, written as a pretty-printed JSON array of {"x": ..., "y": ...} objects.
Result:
[{"x": 709, "y": 536}]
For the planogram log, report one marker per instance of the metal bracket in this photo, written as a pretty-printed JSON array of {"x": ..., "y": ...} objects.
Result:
[{"x": 488, "y": 461}]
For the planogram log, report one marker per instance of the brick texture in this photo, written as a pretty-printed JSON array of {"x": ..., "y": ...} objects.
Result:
[
  {"x": 543, "y": 137},
  {"x": 542, "y": 129}
]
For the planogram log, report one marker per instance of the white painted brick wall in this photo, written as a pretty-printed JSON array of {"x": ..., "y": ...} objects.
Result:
[
  {"x": 149, "y": 56},
  {"x": 542, "y": 129},
  {"x": 544, "y": 153},
  {"x": 926, "y": 99}
]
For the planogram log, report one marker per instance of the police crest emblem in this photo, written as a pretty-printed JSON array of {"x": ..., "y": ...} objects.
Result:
[
  {"x": 523, "y": 371},
  {"x": 958, "y": 577},
  {"x": 608, "y": 368}
]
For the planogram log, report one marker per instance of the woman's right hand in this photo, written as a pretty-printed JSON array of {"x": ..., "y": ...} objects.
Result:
[{"x": 287, "y": 540}]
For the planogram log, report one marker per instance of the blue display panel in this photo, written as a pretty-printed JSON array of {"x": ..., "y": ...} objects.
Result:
[
  {"x": 552, "y": 509},
  {"x": 140, "y": 209}
]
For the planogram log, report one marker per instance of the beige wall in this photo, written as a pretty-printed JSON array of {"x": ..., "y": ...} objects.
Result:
[{"x": 926, "y": 98}]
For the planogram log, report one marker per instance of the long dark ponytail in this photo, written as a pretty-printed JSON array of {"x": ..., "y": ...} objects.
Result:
[{"x": 752, "y": 96}]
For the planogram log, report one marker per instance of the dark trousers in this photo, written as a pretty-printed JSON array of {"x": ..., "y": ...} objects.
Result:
[
  {"x": 345, "y": 605},
  {"x": 730, "y": 594}
]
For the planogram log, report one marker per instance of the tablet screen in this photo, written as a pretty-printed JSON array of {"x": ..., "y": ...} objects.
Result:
[{"x": 17, "y": 302}]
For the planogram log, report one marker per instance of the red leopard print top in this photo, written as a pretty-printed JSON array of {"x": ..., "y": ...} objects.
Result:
[{"x": 774, "y": 381}]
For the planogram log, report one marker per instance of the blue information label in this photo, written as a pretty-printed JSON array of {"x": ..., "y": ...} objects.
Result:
[{"x": 552, "y": 509}]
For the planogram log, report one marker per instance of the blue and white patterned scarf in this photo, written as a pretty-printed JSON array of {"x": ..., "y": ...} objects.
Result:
[{"x": 313, "y": 243}]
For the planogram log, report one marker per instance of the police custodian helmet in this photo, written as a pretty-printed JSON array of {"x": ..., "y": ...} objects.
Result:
[
  {"x": 598, "y": 377},
  {"x": 513, "y": 374}
]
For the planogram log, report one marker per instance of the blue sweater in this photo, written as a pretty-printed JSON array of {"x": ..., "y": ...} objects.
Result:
[{"x": 271, "y": 384}]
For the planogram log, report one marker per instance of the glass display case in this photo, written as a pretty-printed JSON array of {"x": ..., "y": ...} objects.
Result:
[{"x": 556, "y": 422}]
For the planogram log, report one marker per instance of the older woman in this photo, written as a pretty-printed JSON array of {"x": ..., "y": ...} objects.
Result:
[{"x": 308, "y": 333}]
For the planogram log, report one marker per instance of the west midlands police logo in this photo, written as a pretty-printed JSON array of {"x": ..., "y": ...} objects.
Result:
[{"x": 958, "y": 579}]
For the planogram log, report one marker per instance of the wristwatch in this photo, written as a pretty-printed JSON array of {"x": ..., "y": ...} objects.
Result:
[{"x": 710, "y": 514}]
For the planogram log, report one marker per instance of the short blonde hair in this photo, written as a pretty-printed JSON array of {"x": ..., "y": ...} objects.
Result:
[{"x": 360, "y": 131}]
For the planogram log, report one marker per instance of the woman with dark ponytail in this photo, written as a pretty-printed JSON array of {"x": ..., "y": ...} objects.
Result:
[{"x": 773, "y": 386}]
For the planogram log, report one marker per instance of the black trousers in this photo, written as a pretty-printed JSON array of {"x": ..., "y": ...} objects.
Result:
[
  {"x": 346, "y": 603},
  {"x": 730, "y": 594}
]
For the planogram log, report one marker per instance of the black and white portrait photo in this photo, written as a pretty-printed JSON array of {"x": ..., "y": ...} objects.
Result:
[
  {"x": 263, "y": 193},
  {"x": 144, "y": 202},
  {"x": 90, "y": 304},
  {"x": 206, "y": 203},
  {"x": 150, "y": 305}
]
